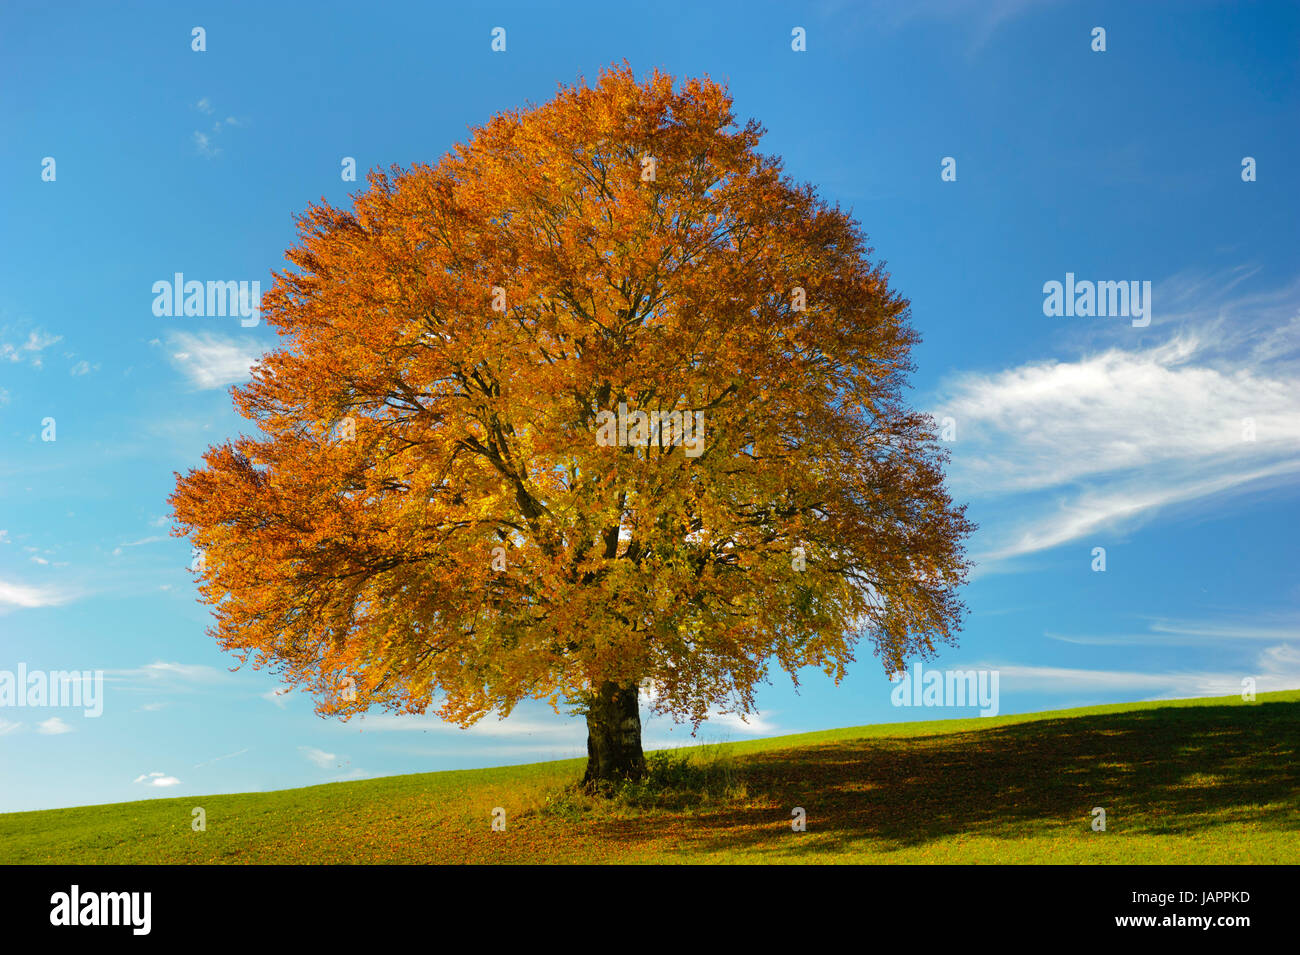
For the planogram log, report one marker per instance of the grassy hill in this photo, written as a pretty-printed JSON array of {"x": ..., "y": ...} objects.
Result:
[{"x": 1182, "y": 781}]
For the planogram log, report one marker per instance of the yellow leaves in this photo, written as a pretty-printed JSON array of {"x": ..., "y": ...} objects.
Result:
[{"x": 474, "y": 428}]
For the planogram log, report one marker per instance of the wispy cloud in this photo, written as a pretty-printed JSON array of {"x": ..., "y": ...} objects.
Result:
[
  {"x": 978, "y": 19},
  {"x": 117, "y": 551},
  {"x": 318, "y": 756},
  {"x": 161, "y": 673},
  {"x": 1162, "y": 632},
  {"x": 53, "y": 727},
  {"x": 143, "y": 540},
  {"x": 13, "y": 595},
  {"x": 205, "y": 142},
  {"x": 754, "y": 724},
  {"x": 1123, "y": 506},
  {"x": 217, "y": 759},
  {"x": 185, "y": 671},
  {"x": 209, "y": 360},
  {"x": 1275, "y": 668},
  {"x": 277, "y": 696},
  {"x": 1108, "y": 439}
]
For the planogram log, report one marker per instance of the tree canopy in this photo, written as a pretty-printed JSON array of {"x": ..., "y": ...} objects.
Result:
[{"x": 602, "y": 397}]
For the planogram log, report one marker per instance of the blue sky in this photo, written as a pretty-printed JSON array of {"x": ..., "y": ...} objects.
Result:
[{"x": 1071, "y": 432}]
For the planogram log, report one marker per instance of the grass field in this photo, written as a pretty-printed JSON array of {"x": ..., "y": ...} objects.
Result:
[{"x": 1182, "y": 781}]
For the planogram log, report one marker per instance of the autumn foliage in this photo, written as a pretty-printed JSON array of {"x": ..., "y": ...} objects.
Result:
[{"x": 425, "y": 517}]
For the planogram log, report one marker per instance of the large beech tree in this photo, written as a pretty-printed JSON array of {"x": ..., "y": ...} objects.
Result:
[{"x": 435, "y": 509}]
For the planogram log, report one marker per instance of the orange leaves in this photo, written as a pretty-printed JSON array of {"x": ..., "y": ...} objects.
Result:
[{"x": 426, "y": 510}]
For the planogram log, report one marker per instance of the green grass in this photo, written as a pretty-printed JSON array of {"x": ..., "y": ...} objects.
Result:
[{"x": 1182, "y": 781}]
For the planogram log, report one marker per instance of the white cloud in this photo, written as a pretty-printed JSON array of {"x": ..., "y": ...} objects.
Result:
[
  {"x": 7, "y": 727},
  {"x": 1109, "y": 439},
  {"x": 277, "y": 696},
  {"x": 1128, "y": 503},
  {"x": 53, "y": 727},
  {"x": 210, "y": 360},
  {"x": 1050, "y": 423},
  {"x": 203, "y": 143},
  {"x": 318, "y": 756},
  {"x": 37, "y": 342},
  {"x": 204, "y": 105},
  {"x": 1275, "y": 668},
  {"x": 754, "y": 723},
  {"x": 157, "y": 779},
  {"x": 20, "y": 595}
]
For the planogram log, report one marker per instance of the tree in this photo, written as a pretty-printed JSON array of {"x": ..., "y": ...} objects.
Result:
[{"x": 600, "y": 405}]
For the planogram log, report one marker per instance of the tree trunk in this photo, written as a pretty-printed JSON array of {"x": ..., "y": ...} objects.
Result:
[{"x": 614, "y": 735}]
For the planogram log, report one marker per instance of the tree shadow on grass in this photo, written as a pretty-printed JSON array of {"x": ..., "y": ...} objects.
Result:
[{"x": 1173, "y": 770}]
